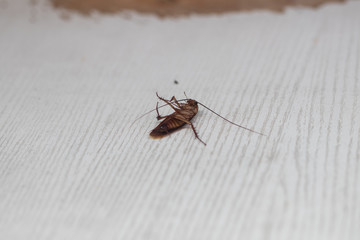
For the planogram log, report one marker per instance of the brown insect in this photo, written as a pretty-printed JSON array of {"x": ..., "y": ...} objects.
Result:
[{"x": 183, "y": 114}]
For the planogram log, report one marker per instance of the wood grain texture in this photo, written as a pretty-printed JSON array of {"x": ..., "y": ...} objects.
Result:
[{"x": 73, "y": 167}]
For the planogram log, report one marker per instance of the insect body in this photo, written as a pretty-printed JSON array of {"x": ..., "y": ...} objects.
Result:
[{"x": 183, "y": 114}]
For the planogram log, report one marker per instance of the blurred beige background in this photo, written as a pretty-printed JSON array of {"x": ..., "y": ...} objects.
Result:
[{"x": 179, "y": 7}]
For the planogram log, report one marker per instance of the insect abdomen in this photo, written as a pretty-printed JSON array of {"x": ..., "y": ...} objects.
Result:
[{"x": 166, "y": 127}]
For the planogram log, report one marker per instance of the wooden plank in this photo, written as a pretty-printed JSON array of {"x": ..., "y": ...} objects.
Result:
[{"x": 73, "y": 167}]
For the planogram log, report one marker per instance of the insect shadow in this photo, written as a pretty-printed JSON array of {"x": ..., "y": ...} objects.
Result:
[{"x": 183, "y": 114}]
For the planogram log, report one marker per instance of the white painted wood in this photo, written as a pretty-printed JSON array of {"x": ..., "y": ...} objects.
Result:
[{"x": 72, "y": 167}]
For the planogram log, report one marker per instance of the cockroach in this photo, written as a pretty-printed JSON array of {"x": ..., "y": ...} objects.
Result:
[{"x": 183, "y": 114}]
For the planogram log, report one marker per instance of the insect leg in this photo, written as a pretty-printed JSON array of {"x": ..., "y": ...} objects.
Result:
[
  {"x": 158, "y": 117},
  {"x": 169, "y": 103},
  {"x": 192, "y": 126},
  {"x": 176, "y": 102}
]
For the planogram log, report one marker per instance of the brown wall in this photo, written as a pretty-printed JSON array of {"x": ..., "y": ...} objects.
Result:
[{"x": 179, "y": 7}]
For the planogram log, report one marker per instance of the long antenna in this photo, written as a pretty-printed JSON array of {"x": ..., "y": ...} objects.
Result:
[{"x": 229, "y": 120}]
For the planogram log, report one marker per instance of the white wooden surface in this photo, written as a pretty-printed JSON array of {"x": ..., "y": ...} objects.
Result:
[{"x": 71, "y": 167}]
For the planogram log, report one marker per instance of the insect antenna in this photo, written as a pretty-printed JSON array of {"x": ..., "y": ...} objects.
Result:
[{"x": 229, "y": 120}]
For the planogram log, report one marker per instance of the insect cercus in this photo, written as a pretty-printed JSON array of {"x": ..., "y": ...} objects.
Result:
[{"x": 183, "y": 114}]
